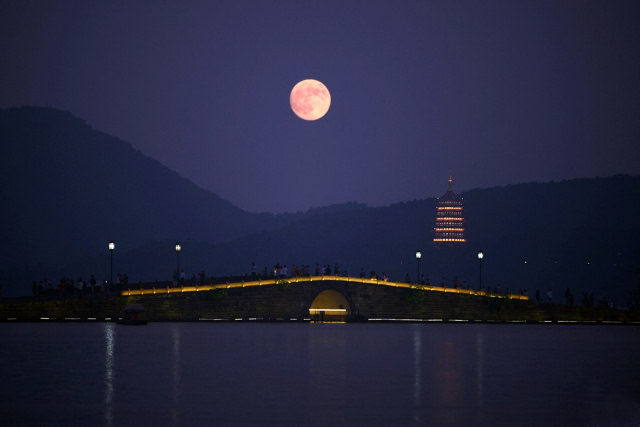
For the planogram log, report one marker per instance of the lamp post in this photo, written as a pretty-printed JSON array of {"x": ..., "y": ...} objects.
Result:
[
  {"x": 418, "y": 256},
  {"x": 480, "y": 256},
  {"x": 112, "y": 246},
  {"x": 178, "y": 249}
]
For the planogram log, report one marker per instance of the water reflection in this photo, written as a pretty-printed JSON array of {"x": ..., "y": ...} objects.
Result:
[
  {"x": 417, "y": 360},
  {"x": 448, "y": 372},
  {"x": 327, "y": 380},
  {"x": 297, "y": 374},
  {"x": 479, "y": 375},
  {"x": 109, "y": 371},
  {"x": 175, "y": 407}
]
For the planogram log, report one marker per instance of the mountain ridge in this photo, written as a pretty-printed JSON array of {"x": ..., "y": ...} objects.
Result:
[
  {"x": 67, "y": 190},
  {"x": 59, "y": 175}
]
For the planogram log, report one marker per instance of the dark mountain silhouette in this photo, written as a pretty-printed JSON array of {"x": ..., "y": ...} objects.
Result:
[
  {"x": 578, "y": 234},
  {"x": 67, "y": 190}
]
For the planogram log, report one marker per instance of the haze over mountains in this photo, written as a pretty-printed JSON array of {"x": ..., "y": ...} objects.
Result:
[{"x": 67, "y": 190}]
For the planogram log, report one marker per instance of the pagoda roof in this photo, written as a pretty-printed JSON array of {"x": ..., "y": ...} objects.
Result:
[{"x": 450, "y": 196}]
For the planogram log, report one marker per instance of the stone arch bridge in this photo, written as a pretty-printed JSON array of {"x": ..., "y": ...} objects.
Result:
[{"x": 322, "y": 298}]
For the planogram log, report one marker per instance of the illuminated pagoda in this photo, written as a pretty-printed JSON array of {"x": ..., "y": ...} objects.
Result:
[{"x": 449, "y": 220}]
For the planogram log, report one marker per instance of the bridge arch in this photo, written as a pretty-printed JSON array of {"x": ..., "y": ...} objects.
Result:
[{"x": 330, "y": 304}]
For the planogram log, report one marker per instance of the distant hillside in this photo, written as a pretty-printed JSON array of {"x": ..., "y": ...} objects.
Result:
[
  {"x": 67, "y": 190},
  {"x": 581, "y": 234}
]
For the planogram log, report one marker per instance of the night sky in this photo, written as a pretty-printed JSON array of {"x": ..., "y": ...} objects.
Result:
[{"x": 500, "y": 92}]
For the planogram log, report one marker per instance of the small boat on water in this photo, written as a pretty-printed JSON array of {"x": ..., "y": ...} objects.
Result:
[{"x": 133, "y": 315}]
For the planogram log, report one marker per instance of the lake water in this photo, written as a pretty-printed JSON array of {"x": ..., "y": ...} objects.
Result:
[{"x": 319, "y": 374}]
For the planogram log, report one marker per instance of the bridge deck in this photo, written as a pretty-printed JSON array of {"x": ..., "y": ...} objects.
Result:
[{"x": 307, "y": 279}]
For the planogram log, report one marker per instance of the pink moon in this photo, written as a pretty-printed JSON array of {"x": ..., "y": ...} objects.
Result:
[{"x": 310, "y": 99}]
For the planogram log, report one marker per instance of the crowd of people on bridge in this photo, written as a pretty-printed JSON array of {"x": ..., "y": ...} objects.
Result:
[
  {"x": 303, "y": 270},
  {"x": 66, "y": 286}
]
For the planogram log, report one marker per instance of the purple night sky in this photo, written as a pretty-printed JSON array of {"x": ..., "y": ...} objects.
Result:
[{"x": 501, "y": 92}]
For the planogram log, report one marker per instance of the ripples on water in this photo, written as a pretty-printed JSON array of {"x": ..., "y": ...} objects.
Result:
[{"x": 319, "y": 374}]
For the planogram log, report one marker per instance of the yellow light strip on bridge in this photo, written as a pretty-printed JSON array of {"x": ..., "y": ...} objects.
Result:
[{"x": 168, "y": 290}]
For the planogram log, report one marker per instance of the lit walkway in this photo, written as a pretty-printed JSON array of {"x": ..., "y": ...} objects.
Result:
[{"x": 307, "y": 279}]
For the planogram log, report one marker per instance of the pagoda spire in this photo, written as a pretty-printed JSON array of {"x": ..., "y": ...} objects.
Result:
[{"x": 450, "y": 187}]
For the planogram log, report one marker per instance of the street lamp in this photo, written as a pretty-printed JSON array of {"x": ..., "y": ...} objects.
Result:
[
  {"x": 418, "y": 256},
  {"x": 178, "y": 249},
  {"x": 480, "y": 256},
  {"x": 112, "y": 246}
]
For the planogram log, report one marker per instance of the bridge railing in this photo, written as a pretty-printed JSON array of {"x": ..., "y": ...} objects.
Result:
[{"x": 305, "y": 279}]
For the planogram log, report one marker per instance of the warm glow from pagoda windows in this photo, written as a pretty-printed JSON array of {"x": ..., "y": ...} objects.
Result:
[{"x": 448, "y": 226}]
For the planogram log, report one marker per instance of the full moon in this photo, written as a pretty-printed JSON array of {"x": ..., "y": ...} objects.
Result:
[{"x": 310, "y": 99}]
